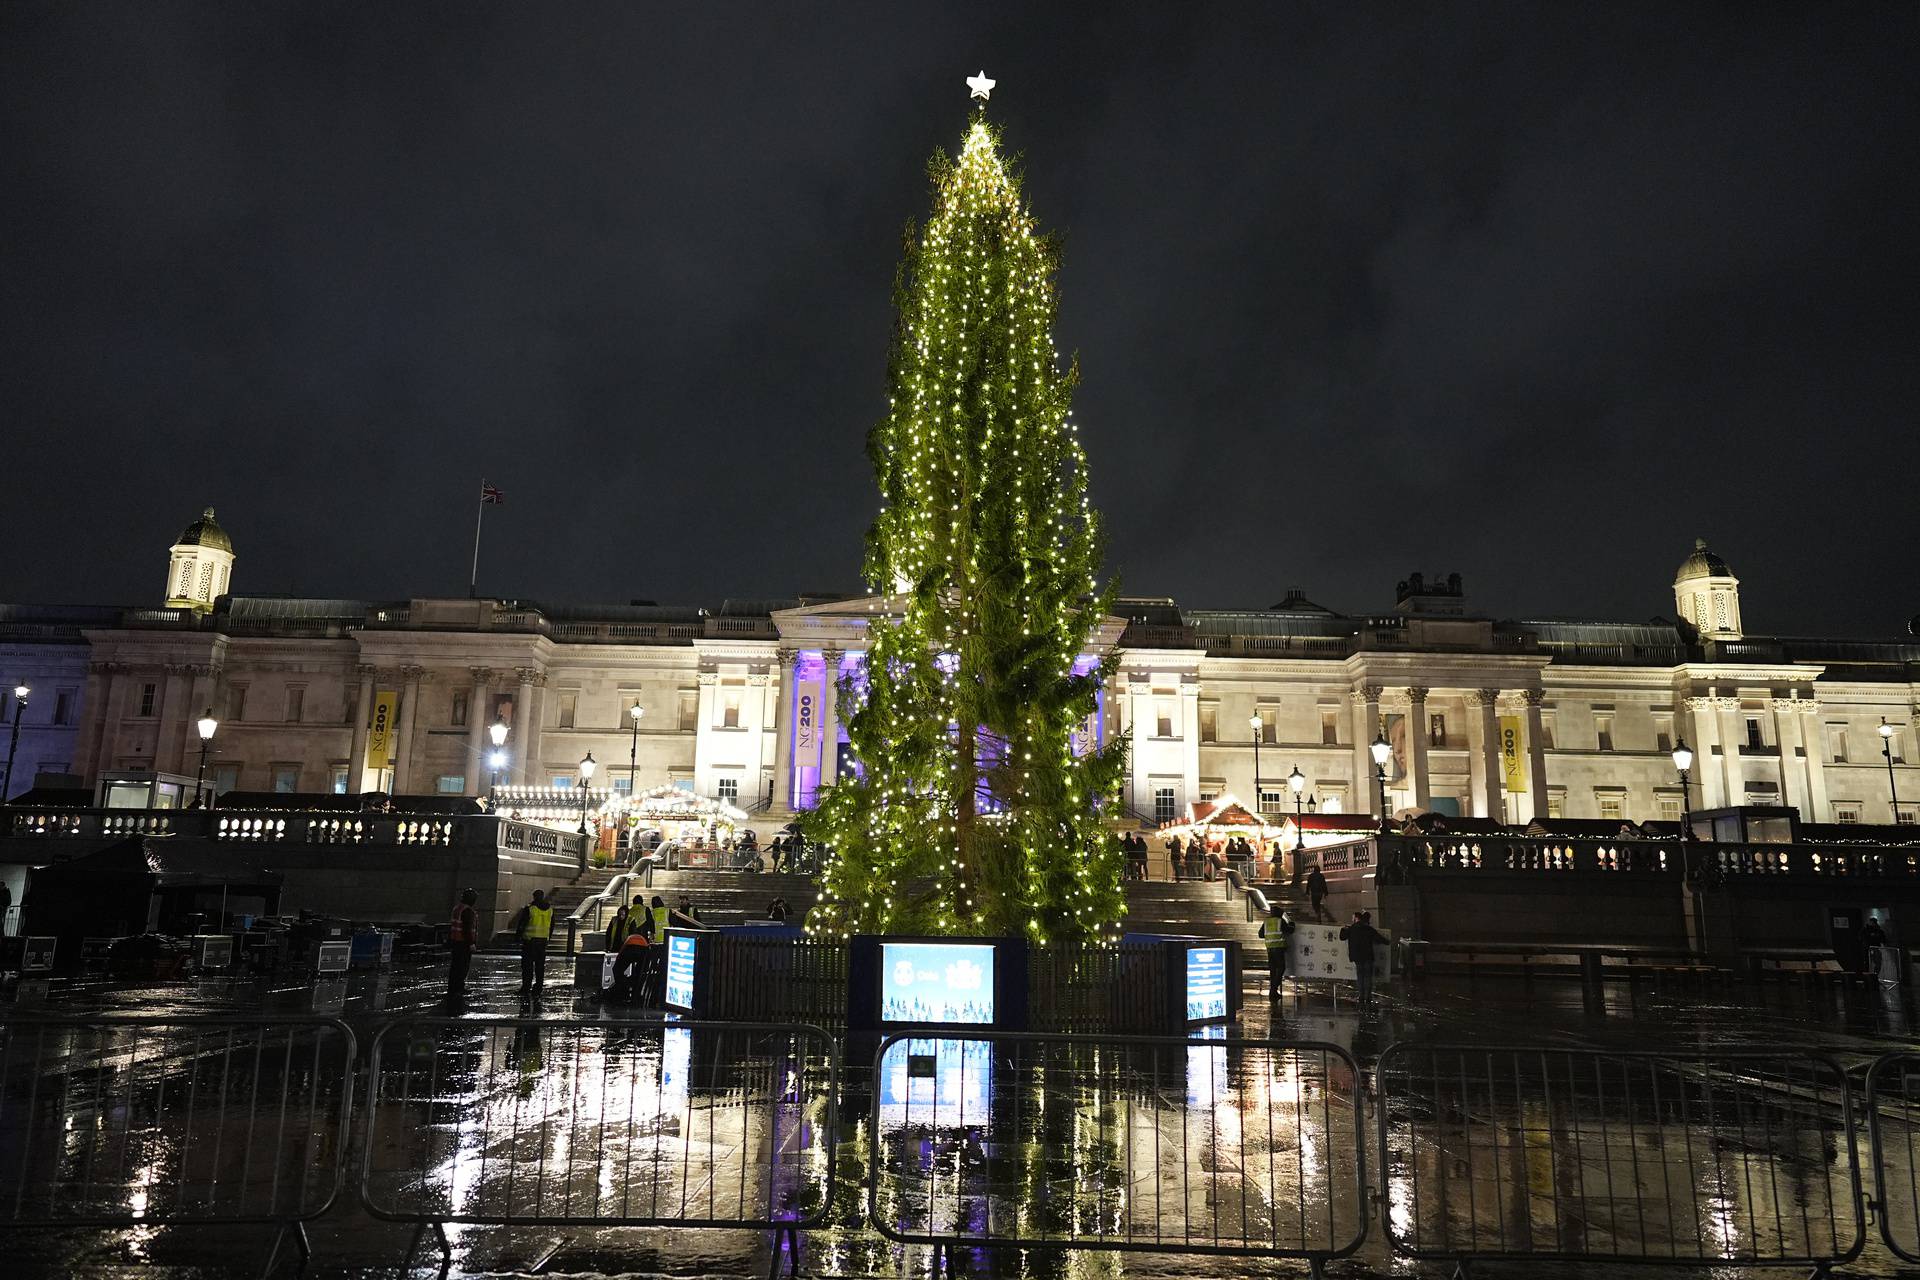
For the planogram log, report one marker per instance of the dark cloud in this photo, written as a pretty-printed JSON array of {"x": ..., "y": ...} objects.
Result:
[{"x": 1534, "y": 293}]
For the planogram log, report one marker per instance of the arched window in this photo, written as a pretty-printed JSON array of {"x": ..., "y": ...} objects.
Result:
[
  {"x": 206, "y": 581},
  {"x": 186, "y": 579},
  {"x": 1720, "y": 611},
  {"x": 222, "y": 588}
]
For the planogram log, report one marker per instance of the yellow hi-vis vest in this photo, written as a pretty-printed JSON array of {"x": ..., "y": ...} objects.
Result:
[
  {"x": 1275, "y": 934},
  {"x": 539, "y": 922},
  {"x": 659, "y": 915}
]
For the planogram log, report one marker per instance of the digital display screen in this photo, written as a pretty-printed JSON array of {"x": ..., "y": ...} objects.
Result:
[
  {"x": 1206, "y": 983},
  {"x": 937, "y": 1082},
  {"x": 936, "y": 982},
  {"x": 682, "y": 952}
]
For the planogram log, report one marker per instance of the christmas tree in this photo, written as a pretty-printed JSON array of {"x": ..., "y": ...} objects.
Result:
[{"x": 975, "y": 807}]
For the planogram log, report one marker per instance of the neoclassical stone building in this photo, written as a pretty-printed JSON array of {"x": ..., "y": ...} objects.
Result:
[{"x": 1510, "y": 718}]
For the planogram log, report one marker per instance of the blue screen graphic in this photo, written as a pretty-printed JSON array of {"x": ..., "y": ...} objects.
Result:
[
  {"x": 1206, "y": 983},
  {"x": 936, "y": 982},
  {"x": 682, "y": 950}
]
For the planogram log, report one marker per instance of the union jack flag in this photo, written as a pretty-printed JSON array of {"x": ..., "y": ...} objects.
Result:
[{"x": 490, "y": 494}]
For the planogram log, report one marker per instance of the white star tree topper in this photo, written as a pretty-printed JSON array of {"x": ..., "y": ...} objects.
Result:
[{"x": 980, "y": 85}]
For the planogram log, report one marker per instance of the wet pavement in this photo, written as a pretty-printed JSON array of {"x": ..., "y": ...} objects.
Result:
[{"x": 593, "y": 1117}]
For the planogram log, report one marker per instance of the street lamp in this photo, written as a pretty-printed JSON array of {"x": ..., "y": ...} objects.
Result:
[
  {"x": 1683, "y": 761},
  {"x": 587, "y": 767},
  {"x": 498, "y": 760},
  {"x": 20, "y": 693},
  {"x": 1253, "y": 723},
  {"x": 1381, "y": 750},
  {"x": 634, "y": 713},
  {"x": 1886, "y": 749},
  {"x": 206, "y": 725},
  {"x": 1297, "y": 783}
]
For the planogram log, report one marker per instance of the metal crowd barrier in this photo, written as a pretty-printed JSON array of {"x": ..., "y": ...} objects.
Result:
[
  {"x": 515, "y": 1121},
  {"x": 121, "y": 1122},
  {"x": 1578, "y": 1155},
  {"x": 1893, "y": 1126},
  {"x": 1224, "y": 1147}
]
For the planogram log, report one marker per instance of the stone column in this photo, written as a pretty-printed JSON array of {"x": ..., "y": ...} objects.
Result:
[
  {"x": 1417, "y": 746},
  {"x": 829, "y": 716},
  {"x": 1814, "y": 732},
  {"x": 783, "y": 692},
  {"x": 753, "y": 712},
  {"x": 1705, "y": 732},
  {"x": 362, "y": 727},
  {"x": 1732, "y": 735},
  {"x": 525, "y": 742},
  {"x": 1140, "y": 732},
  {"x": 409, "y": 708},
  {"x": 1483, "y": 752},
  {"x": 1536, "y": 751},
  {"x": 1190, "y": 739},
  {"x": 176, "y": 718},
  {"x": 1366, "y": 724},
  {"x": 478, "y": 744},
  {"x": 86, "y": 749},
  {"x": 1786, "y": 733}
]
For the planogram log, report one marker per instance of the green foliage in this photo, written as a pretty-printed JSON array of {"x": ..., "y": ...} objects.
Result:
[{"x": 974, "y": 815}]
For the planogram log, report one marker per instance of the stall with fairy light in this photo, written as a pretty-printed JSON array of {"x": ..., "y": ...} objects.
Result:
[
  {"x": 695, "y": 829},
  {"x": 1218, "y": 822}
]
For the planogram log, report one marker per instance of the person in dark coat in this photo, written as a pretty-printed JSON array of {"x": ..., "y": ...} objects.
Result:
[
  {"x": 1872, "y": 938},
  {"x": 1361, "y": 938},
  {"x": 1174, "y": 855},
  {"x": 1276, "y": 932},
  {"x": 463, "y": 935},
  {"x": 1317, "y": 891}
]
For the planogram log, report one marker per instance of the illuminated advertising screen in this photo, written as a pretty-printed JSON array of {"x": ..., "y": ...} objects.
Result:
[
  {"x": 682, "y": 955},
  {"x": 1206, "y": 983},
  {"x": 936, "y": 982},
  {"x": 937, "y": 1082}
]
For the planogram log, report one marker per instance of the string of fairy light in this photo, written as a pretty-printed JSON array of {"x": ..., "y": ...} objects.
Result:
[{"x": 985, "y": 522}]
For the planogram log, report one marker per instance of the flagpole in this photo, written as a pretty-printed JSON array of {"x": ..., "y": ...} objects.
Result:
[{"x": 473, "y": 582}]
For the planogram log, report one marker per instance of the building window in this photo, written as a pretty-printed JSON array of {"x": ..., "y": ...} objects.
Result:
[
  {"x": 1756, "y": 739},
  {"x": 236, "y": 703},
  {"x": 1556, "y": 802},
  {"x": 569, "y": 705},
  {"x": 296, "y": 702},
  {"x": 457, "y": 717},
  {"x": 1209, "y": 722},
  {"x": 186, "y": 579},
  {"x": 1269, "y": 801},
  {"x": 226, "y": 777},
  {"x": 1663, "y": 733},
  {"x": 728, "y": 789},
  {"x": 339, "y": 783},
  {"x": 1603, "y": 735},
  {"x": 1546, "y": 731},
  {"x": 1720, "y": 610},
  {"x": 689, "y": 711},
  {"x": 1905, "y": 817},
  {"x": 623, "y": 785},
  {"x": 1163, "y": 810},
  {"x": 1895, "y": 746},
  {"x": 1329, "y": 728},
  {"x": 1613, "y": 805},
  {"x": 286, "y": 778},
  {"x": 730, "y": 709},
  {"x": 146, "y": 701},
  {"x": 1846, "y": 813},
  {"x": 1333, "y": 799},
  {"x": 1837, "y": 744},
  {"x": 451, "y": 784},
  {"x": 1163, "y": 719},
  {"x": 1670, "y": 808},
  {"x": 1269, "y": 725},
  {"x": 63, "y": 707},
  {"x": 562, "y": 782},
  {"x": 206, "y": 581},
  {"x": 1437, "y": 729},
  {"x": 1208, "y": 797}
]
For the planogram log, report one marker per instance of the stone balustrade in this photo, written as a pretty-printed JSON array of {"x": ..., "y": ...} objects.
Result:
[{"x": 284, "y": 827}]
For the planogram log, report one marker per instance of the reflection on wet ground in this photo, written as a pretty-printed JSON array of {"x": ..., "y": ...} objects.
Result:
[{"x": 1720, "y": 1164}]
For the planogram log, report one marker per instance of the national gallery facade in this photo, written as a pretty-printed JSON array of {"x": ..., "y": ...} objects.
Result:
[{"x": 1504, "y": 718}]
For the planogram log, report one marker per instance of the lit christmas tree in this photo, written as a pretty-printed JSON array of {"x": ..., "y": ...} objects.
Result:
[{"x": 976, "y": 809}]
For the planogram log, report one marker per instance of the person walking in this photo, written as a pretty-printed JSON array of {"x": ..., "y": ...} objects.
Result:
[
  {"x": 1317, "y": 892},
  {"x": 1872, "y": 938},
  {"x": 1276, "y": 931},
  {"x": 463, "y": 935},
  {"x": 533, "y": 925},
  {"x": 1361, "y": 938}
]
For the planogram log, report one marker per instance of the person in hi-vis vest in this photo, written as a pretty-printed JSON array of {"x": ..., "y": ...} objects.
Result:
[
  {"x": 1276, "y": 932},
  {"x": 534, "y": 925},
  {"x": 463, "y": 935}
]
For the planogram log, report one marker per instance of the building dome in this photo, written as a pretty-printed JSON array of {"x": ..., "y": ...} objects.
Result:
[
  {"x": 1701, "y": 564},
  {"x": 206, "y": 532}
]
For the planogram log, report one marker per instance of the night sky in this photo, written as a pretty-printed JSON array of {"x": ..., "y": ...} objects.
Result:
[{"x": 1534, "y": 293}]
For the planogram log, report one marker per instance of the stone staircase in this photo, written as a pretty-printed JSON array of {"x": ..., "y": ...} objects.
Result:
[
  {"x": 731, "y": 897},
  {"x": 563, "y": 898},
  {"x": 1195, "y": 907}
]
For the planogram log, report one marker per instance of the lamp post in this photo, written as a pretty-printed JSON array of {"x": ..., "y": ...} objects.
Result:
[
  {"x": 587, "y": 767},
  {"x": 1683, "y": 761},
  {"x": 1886, "y": 749},
  {"x": 497, "y": 761},
  {"x": 20, "y": 694},
  {"x": 1381, "y": 750},
  {"x": 207, "y": 725},
  {"x": 1297, "y": 783},
  {"x": 634, "y": 713},
  {"x": 1253, "y": 723}
]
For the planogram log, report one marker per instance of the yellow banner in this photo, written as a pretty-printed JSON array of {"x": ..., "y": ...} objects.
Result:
[
  {"x": 1513, "y": 756},
  {"x": 380, "y": 738}
]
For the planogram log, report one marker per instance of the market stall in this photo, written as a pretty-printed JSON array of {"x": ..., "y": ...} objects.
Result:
[
  {"x": 693, "y": 830},
  {"x": 1223, "y": 827}
]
